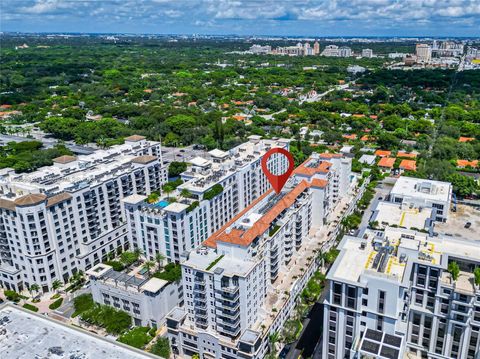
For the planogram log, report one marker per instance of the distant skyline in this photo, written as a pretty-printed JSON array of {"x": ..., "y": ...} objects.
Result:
[{"x": 456, "y": 18}]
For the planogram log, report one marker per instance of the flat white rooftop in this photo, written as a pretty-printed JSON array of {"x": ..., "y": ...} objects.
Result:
[
  {"x": 28, "y": 335},
  {"x": 402, "y": 215},
  {"x": 207, "y": 259},
  {"x": 73, "y": 173},
  {"x": 357, "y": 256},
  {"x": 422, "y": 188},
  {"x": 204, "y": 173}
]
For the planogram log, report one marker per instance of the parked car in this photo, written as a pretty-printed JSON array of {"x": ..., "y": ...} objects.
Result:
[{"x": 468, "y": 224}]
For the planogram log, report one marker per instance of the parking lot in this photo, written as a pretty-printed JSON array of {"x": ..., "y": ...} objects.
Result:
[
  {"x": 184, "y": 154},
  {"x": 455, "y": 225}
]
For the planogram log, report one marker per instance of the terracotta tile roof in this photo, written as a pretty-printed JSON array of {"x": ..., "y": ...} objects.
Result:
[
  {"x": 406, "y": 154},
  {"x": 30, "y": 199},
  {"x": 144, "y": 159},
  {"x": 409, "y": 165},
  {"x": 386, "y": 162},
  {"x": 373, "y": 117},
  {"x": 211, "y": 241},
  {"x": 465, "y": 163},
  {"x": 350, "y": 137},
  {"x": 358, "y": 115},
  {"x": 323, "y": 167},
  {"x": 466, "y": 139},
  {"x": 245, "y": 237},
  {"x": 365, "y": 138},
  {"x": 5, "y": 203},
  {"x": 330, "y": 155},
  {"x": 134, "y": 138},
  {"x": 382, "y": 153},
  {"x": 320, "y": 183},
  {"x": 239, "y": 118},
  {"x": 64, "y": 159}
]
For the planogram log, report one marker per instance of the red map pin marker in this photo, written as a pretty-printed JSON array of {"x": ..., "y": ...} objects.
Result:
[{"x": 278, "y": 182}]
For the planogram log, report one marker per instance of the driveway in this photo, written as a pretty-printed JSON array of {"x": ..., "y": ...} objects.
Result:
[{"x": 381, "y": 191}]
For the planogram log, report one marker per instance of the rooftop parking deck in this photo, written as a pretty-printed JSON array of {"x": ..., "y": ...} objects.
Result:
[
  {"x": 28, "y": 335},
  {"x": 388, "y": 213},
  {"x": 455, "y": 225}
]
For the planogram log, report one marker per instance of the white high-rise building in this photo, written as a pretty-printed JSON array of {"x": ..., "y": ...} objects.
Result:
[
  {"x": 330, "y": 50},
  {"x": 66, "y": 217},
  {"x": 424, "y": 53},
  {"x": 335, "y": 51},
  {"x": 367, "y": 53},
  {"x": 242, "y": 284},
  {"x": 218, "y": 186},
  {"x": 260, "y": 50},
  {"x": 344, "y": 51},
  {"x": 390, "y": 294}
]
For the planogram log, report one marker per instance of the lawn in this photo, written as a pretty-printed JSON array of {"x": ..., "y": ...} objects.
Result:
[
  {"x": 138, "y": 337},
  {"x": 113, "y": 320},
  {"x": 171, "y": 272},
  {"x": 161, "y": 348}
]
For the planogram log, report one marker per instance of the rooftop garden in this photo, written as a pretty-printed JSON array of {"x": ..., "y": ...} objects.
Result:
[
  {"x": 273, "y": 230},
  {"x": 161, "y": 347},
  {"x": 211, "y": 265},
  {"x": 172, "y": 272},
  {"x": 213, "y": 192},
  {"x": 192, "y": 206},
  {"x": 138, "y": 337},
  {"x": 113, "y": 320}
]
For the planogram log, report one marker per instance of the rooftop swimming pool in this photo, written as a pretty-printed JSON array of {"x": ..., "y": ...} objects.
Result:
[{"x": 162, "y": 204}]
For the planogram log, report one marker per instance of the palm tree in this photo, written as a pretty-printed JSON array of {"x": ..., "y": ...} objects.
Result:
[
  {"x": 185, "y": 193},
  {"x": 138, "y": 252},
  {"x": 167, "y": 189},
  {"x": 149, "y": 265},
  {"x": 34, "y": 288},
  {"x": 159, "y": 257},
  {"x": 273, "y": 339},
  {"x": 56, "y": 285}
]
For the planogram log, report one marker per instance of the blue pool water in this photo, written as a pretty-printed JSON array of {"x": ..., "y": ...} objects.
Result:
[{"x": 162, "y": 204}]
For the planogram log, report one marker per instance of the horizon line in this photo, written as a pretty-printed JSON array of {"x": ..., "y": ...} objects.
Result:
[{"x": 234, "y": 35}]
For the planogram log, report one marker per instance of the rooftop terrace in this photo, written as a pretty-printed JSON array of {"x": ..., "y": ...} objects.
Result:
[
  {"x": 203, "y": 173},
  {"x": 386, "y": 254},
  {"x": 72, "y": 173}
]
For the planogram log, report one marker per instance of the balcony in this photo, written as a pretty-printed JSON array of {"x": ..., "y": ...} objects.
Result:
[
  {"x": 230, "y": 331},
  {"x": 199, "y": 280},
  {"x": 200, "y": 296},
  {"x": 228, "y": 320},
  {"x": 274, "y": 251},
  {"x": 227, "y": 306},
  {"x": 228, "y": 289},
  {"x": 229, "y": 298},
  {"x": 201, "y": 314}
]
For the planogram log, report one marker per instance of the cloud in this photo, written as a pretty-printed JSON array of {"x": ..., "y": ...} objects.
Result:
[
  {"x": 47, "y": 6},
  {"x": 248, "y": 15}
]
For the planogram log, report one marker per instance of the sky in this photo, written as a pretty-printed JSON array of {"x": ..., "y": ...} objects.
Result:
[{"x": 246, "y": 17}]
